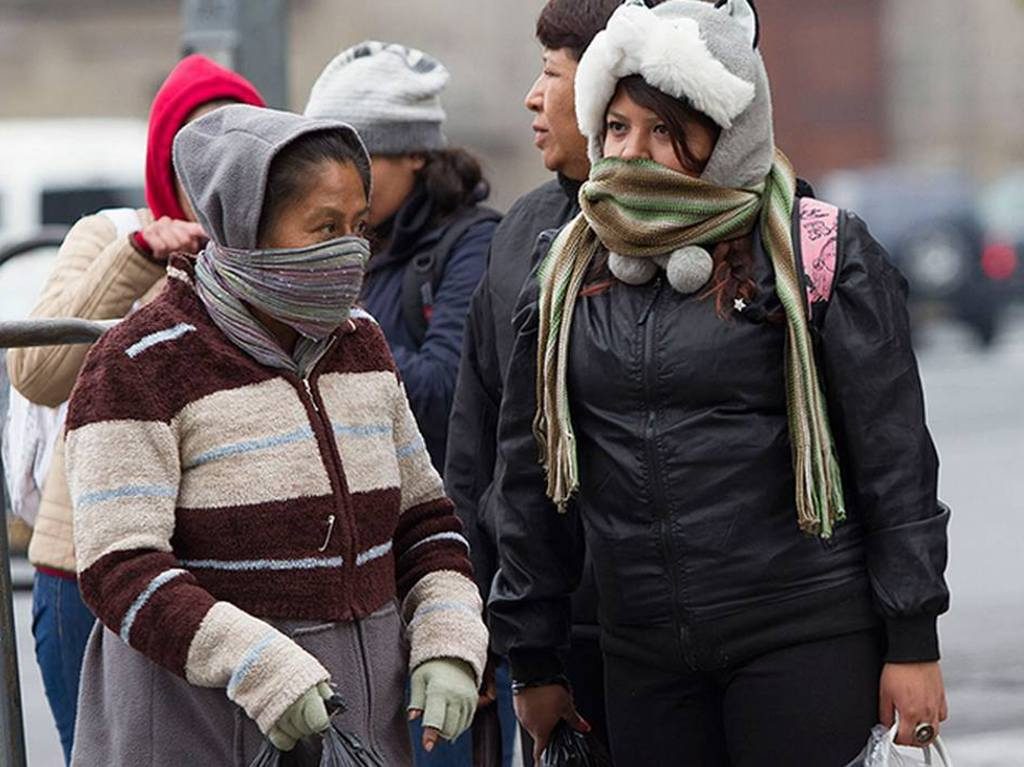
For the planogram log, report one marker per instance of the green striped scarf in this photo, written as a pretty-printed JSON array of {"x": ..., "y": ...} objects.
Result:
[{"x": 641, "y": 209}]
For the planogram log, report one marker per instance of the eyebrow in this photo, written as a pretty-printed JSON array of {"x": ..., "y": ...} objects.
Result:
[
  {"x": 619, "y": 116},
  {"x": 322, "y": 209}
]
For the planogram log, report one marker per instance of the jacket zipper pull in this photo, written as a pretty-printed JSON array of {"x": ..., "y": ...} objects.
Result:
[
  {"x": 330, "y": 529},
  {"x": 309, "y": 391},
  {"x": 650, "y": 305}
]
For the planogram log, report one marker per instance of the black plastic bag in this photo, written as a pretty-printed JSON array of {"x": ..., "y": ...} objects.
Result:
[
  {"x": 569, "y": 748},
  {"x": 333, "y": 748}
]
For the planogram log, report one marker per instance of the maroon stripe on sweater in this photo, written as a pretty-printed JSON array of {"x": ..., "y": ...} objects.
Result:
[
  {"x": 364, "y": 350},
  {"x": 292, "y": 529},
  {"x": 160, "y": 381},
  {"x": 111, "y": 585},
  {"x": 417, "y": 524},
  {"x": 304, "y": 594}
]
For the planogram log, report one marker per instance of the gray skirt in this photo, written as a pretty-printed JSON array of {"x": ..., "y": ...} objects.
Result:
[{"x": 133, "y": 712}]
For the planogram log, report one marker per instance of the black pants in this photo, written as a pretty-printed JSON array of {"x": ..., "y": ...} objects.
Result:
[{"x": 810, "y": 705}]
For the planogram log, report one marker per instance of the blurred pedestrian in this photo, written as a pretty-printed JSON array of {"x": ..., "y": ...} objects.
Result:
[
  {"x": 428, "y": 228},
  {"x": 108, "y": 263},
  {"x": 752, "y": 612},
  {"x": 276, "y": 522}
]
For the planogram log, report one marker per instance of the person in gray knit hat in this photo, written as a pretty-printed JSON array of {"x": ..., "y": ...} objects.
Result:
[{"x": 430, "y": 233}]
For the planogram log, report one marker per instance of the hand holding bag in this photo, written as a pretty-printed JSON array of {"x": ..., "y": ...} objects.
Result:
[{"x": 882, "y": 751}]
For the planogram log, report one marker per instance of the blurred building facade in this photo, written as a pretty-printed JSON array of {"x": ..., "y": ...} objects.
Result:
[{"x": 855, "y": 82}]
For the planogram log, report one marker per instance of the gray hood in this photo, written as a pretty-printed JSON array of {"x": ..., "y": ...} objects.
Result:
[{"x": 223, "y": 158}]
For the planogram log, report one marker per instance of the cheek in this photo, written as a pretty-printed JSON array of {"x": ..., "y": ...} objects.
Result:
[
  {"x": 560, "y": 106},
  {"x": 663, "y": 154}
]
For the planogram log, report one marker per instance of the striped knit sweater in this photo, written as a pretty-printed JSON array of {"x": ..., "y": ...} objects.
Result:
[{"x": 211, "y": 492}]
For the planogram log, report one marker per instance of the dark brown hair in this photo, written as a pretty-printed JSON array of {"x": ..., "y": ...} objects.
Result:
[
  {"x": 732, "y": 274},
  {"x": 574, "y": 24},
  {"x": 288, "y": 176},
  {"x": 454, "y": 180}
]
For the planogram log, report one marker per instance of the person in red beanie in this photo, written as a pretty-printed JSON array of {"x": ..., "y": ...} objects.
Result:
[{"x": 108, "y": 263}]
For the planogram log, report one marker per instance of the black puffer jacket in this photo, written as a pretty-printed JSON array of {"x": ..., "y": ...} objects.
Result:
[
  {"x": 686, "y": 500},
  {"x": 469, "y": 470}
]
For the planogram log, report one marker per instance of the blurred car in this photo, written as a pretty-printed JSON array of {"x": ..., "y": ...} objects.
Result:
[
  {"x": 1001, "y": 211},
  {"x": 57, "y": 170},
  {"x": 926, "y": 218}
]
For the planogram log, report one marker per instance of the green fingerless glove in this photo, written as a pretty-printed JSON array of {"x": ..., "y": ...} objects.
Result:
[
  {"x": 302, "y": 718},
  {"x": 445, "y": 691}
]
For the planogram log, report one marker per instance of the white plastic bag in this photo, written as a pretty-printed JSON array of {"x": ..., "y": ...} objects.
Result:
[
  {"x": 882, "y": 751},
  {"x": 30, "y": 434}
]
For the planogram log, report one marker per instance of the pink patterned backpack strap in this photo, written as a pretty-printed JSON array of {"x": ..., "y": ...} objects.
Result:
[{"x": 819, "y": 248}]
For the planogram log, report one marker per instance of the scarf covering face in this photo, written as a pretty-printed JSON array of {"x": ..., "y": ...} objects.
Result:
[
  {"x": 312, "y": 290},
  {"x": 642, "y": 209}
]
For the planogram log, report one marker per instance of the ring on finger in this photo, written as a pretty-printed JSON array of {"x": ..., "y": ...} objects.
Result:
[{"x": 924, "y": 733}]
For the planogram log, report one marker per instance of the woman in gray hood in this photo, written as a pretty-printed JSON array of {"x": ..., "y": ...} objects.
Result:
[{"x": 255, "y": 509}]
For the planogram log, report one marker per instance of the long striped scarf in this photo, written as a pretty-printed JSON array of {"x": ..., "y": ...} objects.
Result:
[
  {"x": 312, "y": 290},
  {"x": 641, "y": 209}
]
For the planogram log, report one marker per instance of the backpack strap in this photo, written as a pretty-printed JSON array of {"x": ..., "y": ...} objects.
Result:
[
  {"x": 424, "y": 272},
  {"x": 817, "y": 249}
]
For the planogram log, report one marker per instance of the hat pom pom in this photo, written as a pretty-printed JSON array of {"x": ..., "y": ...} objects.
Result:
[
  {"x": 632, "y": 271},
  {"x": 689, "y": 268}
]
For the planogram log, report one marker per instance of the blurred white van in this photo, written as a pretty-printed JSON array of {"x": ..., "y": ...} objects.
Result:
[{"x": 53, "y": 172}]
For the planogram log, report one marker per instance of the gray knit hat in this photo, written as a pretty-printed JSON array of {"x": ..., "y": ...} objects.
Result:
[{"x": 389, "y": 93}]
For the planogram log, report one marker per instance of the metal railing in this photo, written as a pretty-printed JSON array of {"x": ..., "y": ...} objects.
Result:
[{"x": 36, "y": 332}]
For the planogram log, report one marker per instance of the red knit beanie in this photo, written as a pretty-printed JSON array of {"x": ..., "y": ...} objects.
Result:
[{"x": 195, "y": 81}]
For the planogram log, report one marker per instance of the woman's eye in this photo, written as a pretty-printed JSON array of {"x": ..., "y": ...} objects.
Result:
[
  {"x": 362, "y": 228},
  {"x": 661, "y": 130},
  {"x": 328, "y": 227},
  {"x": 616, "y": 127},
  {"x": 550, "y": 73}
]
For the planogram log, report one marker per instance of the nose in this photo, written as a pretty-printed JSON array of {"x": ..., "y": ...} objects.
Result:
[
  {"x": 635, "y": 147},
  {"x": 534, "y": 100}
]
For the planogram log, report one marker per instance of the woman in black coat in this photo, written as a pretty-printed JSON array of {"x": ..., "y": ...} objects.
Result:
[{"x": 756, "y": 486}]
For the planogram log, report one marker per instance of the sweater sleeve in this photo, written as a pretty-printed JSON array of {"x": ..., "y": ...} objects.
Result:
[
  {"x": 541, "y": 552},
  {"x": 890, "y": 463},
  {"x": 440, "y": 602},
  {"x": 429, "y": 372},
  {"x": 97, "y": 276},
  {"x": 123, "y": 472}
]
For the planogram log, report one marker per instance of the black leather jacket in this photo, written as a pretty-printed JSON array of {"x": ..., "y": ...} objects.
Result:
[{"x": 686, "y": 499}]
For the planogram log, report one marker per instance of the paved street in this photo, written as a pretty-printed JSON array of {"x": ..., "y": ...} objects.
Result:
[{"x": 977, "y": 415}]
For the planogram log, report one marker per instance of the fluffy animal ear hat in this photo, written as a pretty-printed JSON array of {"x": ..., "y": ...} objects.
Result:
[{"x": 693, "y": 50}]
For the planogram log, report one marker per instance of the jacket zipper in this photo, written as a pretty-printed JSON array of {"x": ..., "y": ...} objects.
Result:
[
  {"x": 332, "y": 464},
  {"x": 647, "y": 321}
]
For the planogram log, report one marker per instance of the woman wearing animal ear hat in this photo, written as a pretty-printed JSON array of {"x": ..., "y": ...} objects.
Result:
[{"x": 737, "y": 439}]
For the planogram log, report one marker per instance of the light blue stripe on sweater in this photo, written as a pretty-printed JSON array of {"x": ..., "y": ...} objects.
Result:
[
  {"x": 250, "y": 659},
  {"x": 250, "y": 446},
  {"x": 371, "y": 430},
  {"x": 440, "y": 537},
  {"x": 373, "y": 553},
  {"x": 127, "y": 491},
  {"x": 143, "y": 598},
  {"x": 437, "y": 607},
  {"x": 410, "y": 449},
  {"x": 161, "y": 336},
  {"x": 242, "y": 565}
]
